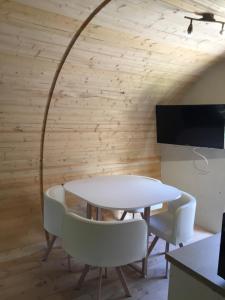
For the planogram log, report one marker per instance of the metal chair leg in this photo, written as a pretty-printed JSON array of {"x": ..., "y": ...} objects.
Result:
[
  {"x": 153, "y": 243},
  {"x": 82, "y": 277},
  {"x": 123, "y": 281},
  {"x": 49, "y": 247},
  {"x": 100, "y": 284},
  {"x": 123, "y": 215},
  {"x": 167, "y": 263}
]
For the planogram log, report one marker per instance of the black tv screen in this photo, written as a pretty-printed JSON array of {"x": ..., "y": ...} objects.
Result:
[{"x": 193, "y": 125}]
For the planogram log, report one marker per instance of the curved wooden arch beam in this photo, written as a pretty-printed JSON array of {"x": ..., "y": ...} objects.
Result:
[{"x": 52, "y": 88}]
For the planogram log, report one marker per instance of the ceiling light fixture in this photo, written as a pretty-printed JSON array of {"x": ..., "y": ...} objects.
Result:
[{"x": 206, "y": 17}]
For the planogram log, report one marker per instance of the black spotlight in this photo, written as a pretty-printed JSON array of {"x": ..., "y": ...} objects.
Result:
[
  {"x": 221, "y": 31},
  {"x": 190, "y": 28}
]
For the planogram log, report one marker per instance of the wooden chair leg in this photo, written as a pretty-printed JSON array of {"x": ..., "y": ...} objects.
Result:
[
  {"x": 153, "y": 243},
  {"x": 181, "y": 245},
  {"x": 69, "y": 263},
  {"x": 98, "y": 213},
  {"x": 47, "y": 237},
  {"x": 123, "y": 281},
  {"x": 49, "y": 247},
  {"x": 106, "y": 273},
  {"x": 89, "y": 211},
  {"x": 144, "y": 267},
  {"x": 167, "y": 263},
  {"x": 99, "y": 284},
  {"x": 123, "y": 215},
  {"x": 82, "y": 277}
]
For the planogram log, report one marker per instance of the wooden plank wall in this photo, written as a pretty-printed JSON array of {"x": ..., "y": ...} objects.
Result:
[{"x": 134, "y": 54}]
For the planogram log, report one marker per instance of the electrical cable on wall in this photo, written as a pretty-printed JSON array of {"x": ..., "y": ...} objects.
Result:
[{"x": 204, "y": 158}]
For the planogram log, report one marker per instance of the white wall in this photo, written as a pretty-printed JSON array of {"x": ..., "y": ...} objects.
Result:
[{"x": 184, "y": 169}]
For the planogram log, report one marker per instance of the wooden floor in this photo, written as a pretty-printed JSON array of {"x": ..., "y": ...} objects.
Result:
[{"x": 30, "y": 278}]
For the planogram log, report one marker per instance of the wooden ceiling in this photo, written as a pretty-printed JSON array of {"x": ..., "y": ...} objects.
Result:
[
  {"x": 133, "y": 55},
  {"x": 215, "y": 7}
]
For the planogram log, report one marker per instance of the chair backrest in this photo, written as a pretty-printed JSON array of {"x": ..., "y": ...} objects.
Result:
[
  {"x": 104, "y": 244},
  {"x": 54, "y": 209},
  {"x": 183, "y": 211}
]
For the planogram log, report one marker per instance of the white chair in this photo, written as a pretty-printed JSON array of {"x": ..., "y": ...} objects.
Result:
[
  {"x": 54, "y": 210},
  {"x": 176, "y": 225},
  {"x": 139, "y": 210},
  {"x": 104, "y": 244}
]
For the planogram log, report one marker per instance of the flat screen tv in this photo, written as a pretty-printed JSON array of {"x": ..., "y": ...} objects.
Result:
[{"x": 193, "y": 125}]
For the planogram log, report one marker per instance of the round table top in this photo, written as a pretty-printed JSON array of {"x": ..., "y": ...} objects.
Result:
[{"x": 122, "y": 191}]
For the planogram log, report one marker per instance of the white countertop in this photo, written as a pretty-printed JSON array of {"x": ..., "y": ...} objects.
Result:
[{"x": 200, "y": 260}]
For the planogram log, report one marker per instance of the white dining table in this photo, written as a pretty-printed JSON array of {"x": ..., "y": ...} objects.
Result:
[{"x": 122, "y": 192}]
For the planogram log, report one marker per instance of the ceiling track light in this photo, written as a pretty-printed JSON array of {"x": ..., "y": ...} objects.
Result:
[
  {"x": 190, "y": 28},
  {"x": 206, "y": 17}
]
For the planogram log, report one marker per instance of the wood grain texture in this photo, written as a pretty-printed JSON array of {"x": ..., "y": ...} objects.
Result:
[
  {"x": 52, "y": 88},
  {"x": 28, "y": 277},
  {"x": 133, "y": 55}
]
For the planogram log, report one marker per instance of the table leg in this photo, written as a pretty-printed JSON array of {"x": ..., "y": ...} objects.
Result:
[
  {"x": 145, "y": 260},
  {"x": 88, "y": 211}
]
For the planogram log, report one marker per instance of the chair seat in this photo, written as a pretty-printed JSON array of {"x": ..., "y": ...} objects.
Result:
[{"x": 161, "y": 225}]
